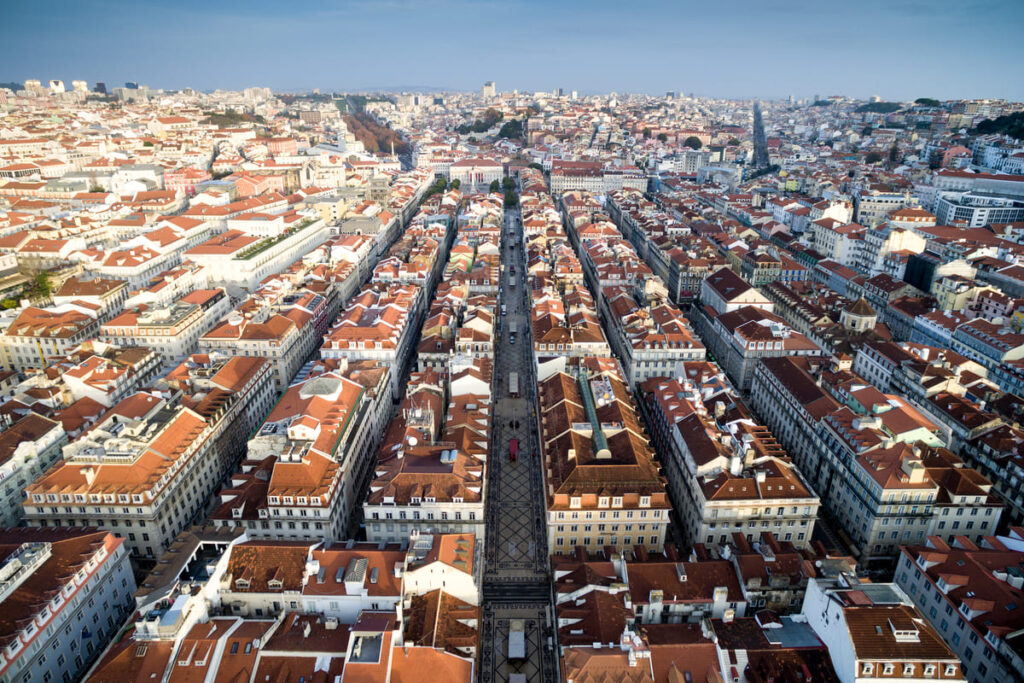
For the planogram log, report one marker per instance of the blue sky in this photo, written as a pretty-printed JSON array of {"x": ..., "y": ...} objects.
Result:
[{"x": 898, "y": 49}]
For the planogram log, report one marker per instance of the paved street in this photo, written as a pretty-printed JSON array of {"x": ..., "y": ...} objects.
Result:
[{"x": 516, "y": 584}]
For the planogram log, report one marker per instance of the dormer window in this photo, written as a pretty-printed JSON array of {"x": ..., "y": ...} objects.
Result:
[
  {"x": 867, "y": 668},
  {"x": 617, "y": 502},
  {"x": 929, "y": 670},
  {"x": 645, "y": 501},
  {"x": 275, "y": 584},
  {"x": 603, "y": 501},
  {"x": 242, "y": 584},
  {"x": 416, "y": 500},
  {"x": 888, "y": 669},
  {"x": 274, "y": 500},
  {"x": 951, "y": 670},
  {"x": 575, "y": 502},
  {"x": 908, "y": 670}
]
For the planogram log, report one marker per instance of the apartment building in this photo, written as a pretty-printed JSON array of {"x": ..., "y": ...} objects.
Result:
[
  {"x": 432, "y": 488},
  {"x": 108, "y": 295},
  {"x": 65, "y": 593},
  {"x": 874, "y": 459},
  {"x": 970, "y": 594},
  {"x": 173, "y": 331},
  {"x": 106, "y": 373},
  {"x": 742, "y": 337},
  {"x": 603, "y": 486},
  {"x": 726, "y": 474},
  {"x": 37, "y": 334},
  {"x": 238, "y": 259},
  {"x": 29, "y": 446},
  {"x": 873, "y": 631},
  {"x": 146, "y": 470},
  {"x": 377, "y": 324},
  {"x": 874, "y": 206},
  {"x": 651, "y": 341},
  {"x": 304, "y": 465},
  {"x": 724, "y": 291}
]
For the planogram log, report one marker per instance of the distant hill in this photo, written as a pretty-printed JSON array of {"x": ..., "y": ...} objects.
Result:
[
  {"x": 1011, "y": 124},
  {"x": 880, "y": 107}
]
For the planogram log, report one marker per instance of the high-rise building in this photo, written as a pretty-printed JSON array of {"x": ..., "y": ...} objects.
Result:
[
  {"x": 100, "y": 88},
  {"x": 488, "y": 91}
]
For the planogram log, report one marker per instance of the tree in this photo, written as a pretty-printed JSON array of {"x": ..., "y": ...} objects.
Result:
[
  {"x": 662, "y": 137},
  {"x": 647, "y": 133},
  {"x": 894, "y": 154},
  {"x": 878, "y": 107},
  {"x": 928, "y": 102},
  {"x": 492, "y": 116},
  {"x": 511, "y": 129},
  {"x": 536, "y": 166},
  {"x": 867, "y": 131},
  {"x": 495, "y": 186},
  {"x": 456, "y": 183},
  {"x": 511, "y": 198},
  {"x": 693, "y": 142},
  {"x": 508, "y": 183},
  {"x": 1011, "y": 124},
  {"x": 733, "y": 142},
  {"x": 873, "y": 157}
]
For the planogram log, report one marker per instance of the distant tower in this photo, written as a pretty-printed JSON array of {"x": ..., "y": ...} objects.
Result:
[
  {"x": 57, "y": 87},
  {"x": 100, "y": 88},
  {"x": 488, "y": 91}
]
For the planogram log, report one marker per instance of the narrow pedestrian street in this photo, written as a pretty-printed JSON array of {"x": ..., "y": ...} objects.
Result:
[{"x": 516, "y": 579}]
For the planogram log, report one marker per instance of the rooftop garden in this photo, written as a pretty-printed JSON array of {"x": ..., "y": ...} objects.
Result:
[{"x": 269, "y": 242}]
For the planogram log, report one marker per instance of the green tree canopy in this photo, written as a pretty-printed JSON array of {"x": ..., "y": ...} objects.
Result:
[
  {"x": 1011, "y": 124},
  {"x": 873, "y": 157},
  {"x": 511, "y": 129},
  {"x": 536, "y": 166},
  {"x": 495, "y": 186},
  {"x": 647, "y": 133},
  {"x": 492, "y": 116},
  {"x": 693, "y": 142},
  {"x": 928, "y": 102},
  {"x": 879, "y": 107},
  {"x": 662, "y": 137}
]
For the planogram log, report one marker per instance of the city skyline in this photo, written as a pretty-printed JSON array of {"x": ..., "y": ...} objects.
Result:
[{"x": 537, "y": 48}]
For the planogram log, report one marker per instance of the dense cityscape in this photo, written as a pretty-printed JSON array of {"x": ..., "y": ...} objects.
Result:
[{"x": 358, "y": 387}]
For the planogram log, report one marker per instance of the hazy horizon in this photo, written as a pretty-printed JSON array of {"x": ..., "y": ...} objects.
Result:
[{"x": 898, "y": 51}]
